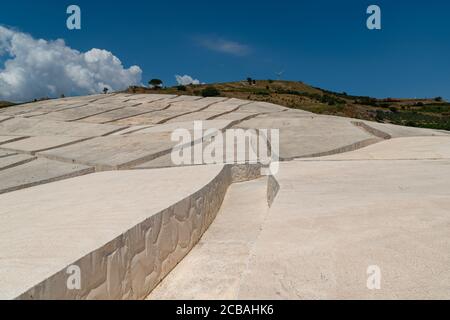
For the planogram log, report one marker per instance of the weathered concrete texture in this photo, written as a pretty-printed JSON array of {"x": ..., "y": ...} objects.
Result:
[
  {"x": 40, "y": 127},
  {"x": 4, "y": 118},
  {"x": 14, "y": 160},
  {"x": 262, "y": 107},
  {"x": 213, "y": 269},
  {"x": 83, "y": 112},
  {"x": 124, "y": 113},
  {"x": 4, "y": 153},
  {"x": 237, "y": 116},
  {"x": 332, "y": 220},
  {"x": 153, "y": 118},
  {"x": 146, "y": 98},
  {"x": 38, "y": 172},
  {"x": 127, "y": 233},
  {"x": 188, "y": 125},
  {"x": 332, "y": 214},
  {"x": 300, "y": 137},
  {"x": 409, "y": 148},
  {"x": 7, "y": 139},
  {"x": 194, "y": 105},
  {"x": 130, "y": 129},
  {"x": 400, "y": 131},
  {"x": 114, "y": 152},
  {"x": 172, "y": 112},
  {"x": 197, "y": 116},
  {"x": 41, "y": 143},
  {"x": 227, "y": 105}
]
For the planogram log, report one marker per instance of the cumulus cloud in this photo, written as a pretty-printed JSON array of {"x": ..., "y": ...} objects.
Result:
[
  {"x": 36, "y": 68},
  {"x": 186, "y": 80},
  {"x": 224, "y": 46}
]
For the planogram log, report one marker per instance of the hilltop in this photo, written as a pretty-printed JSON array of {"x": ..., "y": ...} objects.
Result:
[{"x": 431, "y": 113}]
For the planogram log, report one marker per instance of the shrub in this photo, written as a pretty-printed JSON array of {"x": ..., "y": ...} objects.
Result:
[
  {"x": 393, "y": 109},
  {"x": 155, "y": 83},
  {"x": 181, "y": 88},
  {"x": 210, "y": 92}
]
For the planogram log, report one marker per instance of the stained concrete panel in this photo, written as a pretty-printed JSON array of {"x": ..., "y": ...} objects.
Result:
[
  {"x": 37, "y": 172},
  {"x": 40, "y": 127}
]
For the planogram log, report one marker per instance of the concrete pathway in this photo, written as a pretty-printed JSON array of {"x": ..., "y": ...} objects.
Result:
[{"x": 215, "y": 267}]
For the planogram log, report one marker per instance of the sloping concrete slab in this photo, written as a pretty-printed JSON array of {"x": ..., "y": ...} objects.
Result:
[
  {"x": 332, "y": 221},
  {"x": 130, "y": 129},
  {"x": 145, "y": 98},
  {"x": 227, "y": 105},
  {"x": 4, "y": 118},
  {"x": 262, "y": 107},
  {"x": 300, "y": 137},
  {"x": 38, "y": 172},
  {"x": 7, "y": 139},
  {"x": 237, "y": 116},
  {"x": 197, "y": 116},
  {"x": 114, "y": 152},
  {"x": 4, "y": 153},
  {"x": 214, "y": 268},
  {"x": 40, "y": 127},
  {"x": 193, "y": 105},
  {"x": 124, "y": 113},
  {"x": 409, "y": 148},
  {"x": 14, "y": 160},
  {"x": 82, "y": 112},
  {"x": 151, "y": 118},
  {"x": 41, "y": 143},
  {"x": 401, "y": 131},
  {"x": 55, "y": 225},
  {"x": 188, "y": 125}
]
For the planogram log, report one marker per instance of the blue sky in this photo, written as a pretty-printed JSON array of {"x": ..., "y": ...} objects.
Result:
[{"x": 323, "y": 43}]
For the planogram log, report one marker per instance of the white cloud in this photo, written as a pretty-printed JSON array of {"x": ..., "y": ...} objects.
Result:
[
  {"x": 186, "y": 80},
  {"x": 39, "y": 68},
  {"x": 224, "y": 46}
]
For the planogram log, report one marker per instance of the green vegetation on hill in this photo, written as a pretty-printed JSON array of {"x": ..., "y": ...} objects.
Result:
[
  {"x": 427, "y": 113},
  {"x": 4, "y": 104}
]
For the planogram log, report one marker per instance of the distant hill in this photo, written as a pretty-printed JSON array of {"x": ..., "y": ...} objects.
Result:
[{"x": 427, "y": 113}]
